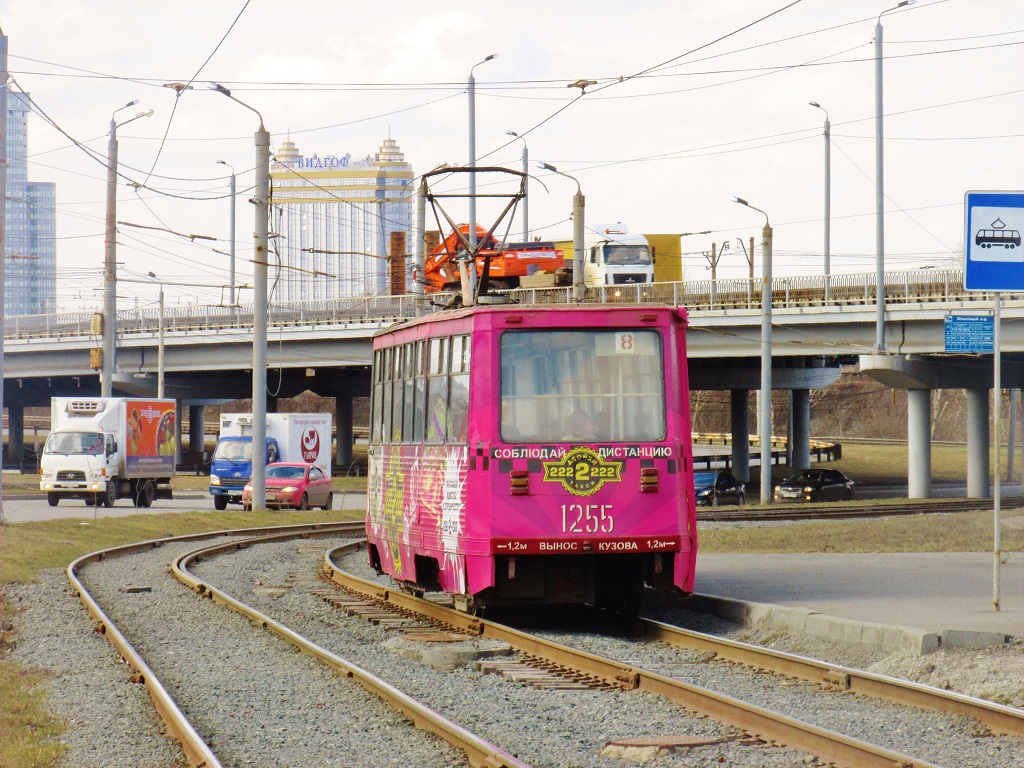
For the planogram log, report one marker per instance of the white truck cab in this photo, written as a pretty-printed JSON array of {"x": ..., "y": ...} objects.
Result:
[{"x": 612, "y": 256}]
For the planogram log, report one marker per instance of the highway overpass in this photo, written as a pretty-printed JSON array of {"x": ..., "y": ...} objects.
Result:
[{"x": 324, "y": 347}]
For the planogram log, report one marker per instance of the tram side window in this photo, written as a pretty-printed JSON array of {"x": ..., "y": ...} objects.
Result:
[
  {"x": 398, "y": 358},
  {"x": 437, "y": 390},
  {"x": 385, "y": 416},
  {"x": 409, "y": 375},
  {"x": 378, "y": 395},
  {"x": 458, "y": 402},
  {"x": 420, "y": 394}
]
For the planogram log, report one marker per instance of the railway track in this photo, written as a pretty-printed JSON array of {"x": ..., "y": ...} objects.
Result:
[
  {"x": 844, "y": 510},
  {"x": 555, "y": 661},
  {"x": 195, "y": 744},
  {"x": 551, "y": 669}
]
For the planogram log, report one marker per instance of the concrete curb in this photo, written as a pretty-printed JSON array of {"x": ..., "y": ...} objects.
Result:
[{"x": 861, "y": 634}]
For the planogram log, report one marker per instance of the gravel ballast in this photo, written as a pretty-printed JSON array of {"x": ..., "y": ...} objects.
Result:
[{"x": 259, "y": 702}]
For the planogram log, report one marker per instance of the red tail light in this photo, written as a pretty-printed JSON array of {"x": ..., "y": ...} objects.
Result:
[
  {"x": 648, "y": 480},
  {"x": 519, "y": 482}
]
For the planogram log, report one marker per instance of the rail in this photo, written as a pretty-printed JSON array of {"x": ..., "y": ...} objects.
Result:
[
  {"x": 999, "y": 718},
  {"x": 478, "y": 751},
  {"x": 770, "y": 726},
  {"x": 917, "y": 286}
]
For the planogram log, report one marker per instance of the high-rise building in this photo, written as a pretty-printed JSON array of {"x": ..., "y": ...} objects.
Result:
[
  {"x": 30, "y": 244},
  {"x": 332, "y": 219}
]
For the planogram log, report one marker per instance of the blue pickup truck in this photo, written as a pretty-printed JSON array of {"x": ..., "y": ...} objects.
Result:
[{"x": 231, "y": 468}]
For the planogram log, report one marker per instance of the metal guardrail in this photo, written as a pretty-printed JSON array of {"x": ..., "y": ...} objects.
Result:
[
  {"x": 820, "y": 450},
  {"x": 701, "y": 295}
]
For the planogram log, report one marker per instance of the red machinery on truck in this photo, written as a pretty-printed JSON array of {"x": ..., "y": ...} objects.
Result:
[{"x": 509, "y": 262}]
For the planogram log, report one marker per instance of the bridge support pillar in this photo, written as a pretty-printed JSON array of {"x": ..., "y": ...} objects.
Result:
[
  {"x": 801, "y": 410},
  {"x": 343, "y": 422},
  {"x": 977, "y": 444},
  {"x": 15, "y": 434},
  {"x": 919, "y": 443},
  {"x": 740, "y": 406},
  {"x": 197, "y": 428}
]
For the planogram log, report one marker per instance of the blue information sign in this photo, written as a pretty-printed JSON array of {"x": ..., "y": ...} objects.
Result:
[
  {"x": 994, "y": 255},
  {"x": 970, "y": 333}
]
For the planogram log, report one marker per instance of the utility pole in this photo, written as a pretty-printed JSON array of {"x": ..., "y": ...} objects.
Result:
[
  {"x": 231, "y": 226},
  {"x": 526, "y": 186},
  {"x": 110, "y": 256},
  {"x": 579, "y": 203},
  {"x": 4, "y": 78},
  {"x": 715, "y": 257},
  {"x": 261, "y": 199},
  {"x": 471, "y": 90}
]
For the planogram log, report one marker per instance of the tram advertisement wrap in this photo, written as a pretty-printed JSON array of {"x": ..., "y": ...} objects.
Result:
[{"x": 150, "y": 434}]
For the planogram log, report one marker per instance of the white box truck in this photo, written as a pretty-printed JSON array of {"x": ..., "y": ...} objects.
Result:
[
  {"x": 101, "y": 449},
  {"x": 300, "y": 437},
  {"x": 612, "y": 256}
]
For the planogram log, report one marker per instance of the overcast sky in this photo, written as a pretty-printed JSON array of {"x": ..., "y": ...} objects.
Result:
[{"x": 712, "y": 102}]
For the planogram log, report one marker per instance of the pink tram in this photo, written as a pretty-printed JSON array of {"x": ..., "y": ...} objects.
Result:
[{"x": 533, "y": 455}]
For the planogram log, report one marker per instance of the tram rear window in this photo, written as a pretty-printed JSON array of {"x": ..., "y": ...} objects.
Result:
[{"x": 582, "y": 385}]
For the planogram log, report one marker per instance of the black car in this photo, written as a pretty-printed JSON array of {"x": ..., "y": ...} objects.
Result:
[
  {"x": 717, "y": 487},
  {"x": 815, "y": 485}
]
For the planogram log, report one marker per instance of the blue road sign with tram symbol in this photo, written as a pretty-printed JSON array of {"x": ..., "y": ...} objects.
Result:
[{"x": 992, "y": 243}]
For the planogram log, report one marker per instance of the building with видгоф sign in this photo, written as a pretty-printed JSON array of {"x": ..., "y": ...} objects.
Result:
[{"x": 333, "y": 217}]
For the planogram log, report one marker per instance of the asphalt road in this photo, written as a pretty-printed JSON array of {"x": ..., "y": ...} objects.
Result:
[{"x": 24, "y": 508}]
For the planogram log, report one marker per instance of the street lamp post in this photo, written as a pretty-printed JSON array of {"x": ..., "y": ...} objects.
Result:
[
  {"x": 259, "y": 325},
  {"x": 578, "y": 211},
  {"x": 526, "y": 187},
  {"x": 231, "y": 226},
  {"x": 110, "y": 256},
  {"x": 160, "y": 342},
  {"x": 6, "y": 78},
  {"x": 828, "y": 191},
  {"x": 880, "y": 188},
  {"x": 766, "y": 357},
  {"x": 471, "y": 87}
]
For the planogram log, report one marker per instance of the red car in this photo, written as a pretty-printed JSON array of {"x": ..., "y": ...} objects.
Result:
[{"x": 294, "y": 485}]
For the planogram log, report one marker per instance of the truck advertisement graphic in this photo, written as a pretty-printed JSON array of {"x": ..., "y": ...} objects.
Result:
[{"x": 150, "y": 432}]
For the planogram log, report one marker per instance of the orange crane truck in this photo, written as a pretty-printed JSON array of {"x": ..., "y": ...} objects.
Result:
[{"x": 508, "y": 261}]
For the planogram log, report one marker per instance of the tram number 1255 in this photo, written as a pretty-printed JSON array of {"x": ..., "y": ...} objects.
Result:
[{"x": 587, "y": 518}]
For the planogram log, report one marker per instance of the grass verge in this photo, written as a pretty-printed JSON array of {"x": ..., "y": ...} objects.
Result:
[
  {"x": 29, "y": 736},
  {"x": 946, "y": 532}
]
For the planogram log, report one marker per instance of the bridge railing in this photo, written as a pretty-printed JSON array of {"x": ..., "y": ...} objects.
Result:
[{"x": 697, "y": 295}]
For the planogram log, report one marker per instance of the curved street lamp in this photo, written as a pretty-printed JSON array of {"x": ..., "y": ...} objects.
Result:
[
  {"x": 880, "y": 187},
  {"x": 471, "y": 88},
  {"x": 110, "y": 255},
  {"x": 231, "y": 227},
  {"x": 765, "y": 420},
  {"x": 578, "y": 212},
  {"x": 828, "y": 191},
  {"x": 261, "y": 197},
  {"x": 526, "y": 186}
]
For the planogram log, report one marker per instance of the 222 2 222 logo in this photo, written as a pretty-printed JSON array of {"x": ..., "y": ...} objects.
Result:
[{"x": 582, "y": 472}]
